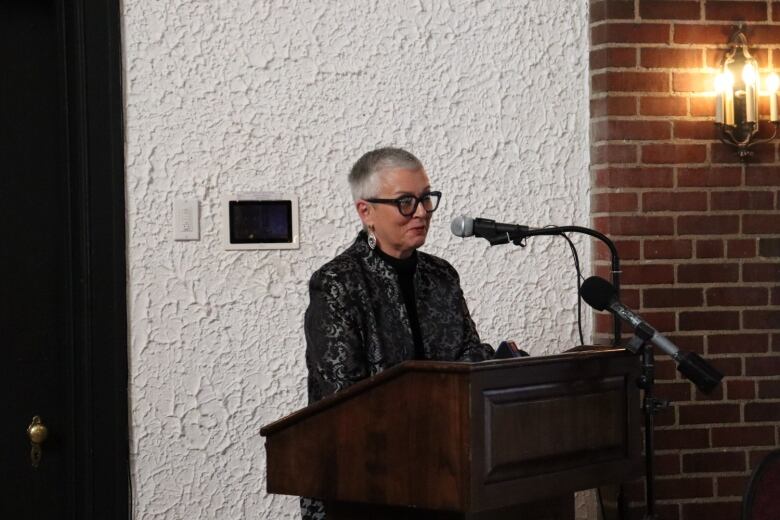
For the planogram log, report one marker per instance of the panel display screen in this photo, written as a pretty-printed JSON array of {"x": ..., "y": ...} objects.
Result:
[{"x": 260, "y": 221}]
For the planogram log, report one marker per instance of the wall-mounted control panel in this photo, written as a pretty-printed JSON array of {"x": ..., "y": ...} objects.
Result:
[{"x": 260, "y": 220}]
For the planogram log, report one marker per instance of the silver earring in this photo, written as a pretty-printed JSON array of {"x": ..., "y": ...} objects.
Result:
[{"x": 371, "y": 239}]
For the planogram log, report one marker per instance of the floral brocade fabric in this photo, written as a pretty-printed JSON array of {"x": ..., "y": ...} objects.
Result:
[{"x": 357, "y": 325}]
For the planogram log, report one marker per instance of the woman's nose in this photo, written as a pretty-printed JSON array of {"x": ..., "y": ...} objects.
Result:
[{"x": 420, "y": 211}]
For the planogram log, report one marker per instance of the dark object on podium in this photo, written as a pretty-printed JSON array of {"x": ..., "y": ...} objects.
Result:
[
  {"x": 492, "y": 440},
  {"x": 508, "y": 350}
]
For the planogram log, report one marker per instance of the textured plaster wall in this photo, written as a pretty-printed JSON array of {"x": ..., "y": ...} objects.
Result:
[{"x": 232, "y": 95}]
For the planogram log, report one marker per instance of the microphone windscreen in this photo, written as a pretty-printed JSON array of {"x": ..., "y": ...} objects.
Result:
[
  {"x": 462, "y": 226},
  {"x": 597, "y": 292}
]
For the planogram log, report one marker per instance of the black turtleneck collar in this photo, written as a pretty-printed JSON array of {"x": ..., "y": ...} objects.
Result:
[{"x": 401, "y": 265}]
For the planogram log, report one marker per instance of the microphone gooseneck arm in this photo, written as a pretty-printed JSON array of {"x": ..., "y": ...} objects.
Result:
[{"x": 517, "y": 238}]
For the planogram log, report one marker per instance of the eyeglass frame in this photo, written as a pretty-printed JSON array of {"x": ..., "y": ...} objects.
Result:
[{"x": 417, "y": 201}]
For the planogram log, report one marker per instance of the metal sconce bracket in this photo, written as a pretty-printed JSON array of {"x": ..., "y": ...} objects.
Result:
[{"x": 737, "y": 113}]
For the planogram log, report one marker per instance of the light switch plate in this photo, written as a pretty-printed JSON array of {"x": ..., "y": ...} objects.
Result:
[{"x": 186, "y": 220}]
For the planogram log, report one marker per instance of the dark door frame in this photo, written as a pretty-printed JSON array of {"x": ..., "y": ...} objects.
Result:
[{"x": 92, "y": 43}]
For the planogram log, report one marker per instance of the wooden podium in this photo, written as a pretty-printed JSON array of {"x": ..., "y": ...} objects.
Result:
[{"x": 492, "y": 440}]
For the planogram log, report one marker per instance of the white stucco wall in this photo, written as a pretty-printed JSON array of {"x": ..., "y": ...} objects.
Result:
[{"x": 235, "y": 95}]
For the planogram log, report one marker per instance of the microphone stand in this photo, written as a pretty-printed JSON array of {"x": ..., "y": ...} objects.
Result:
[
  {"x": 518, "y": 237},
  {"x": 650, "y": 406}
]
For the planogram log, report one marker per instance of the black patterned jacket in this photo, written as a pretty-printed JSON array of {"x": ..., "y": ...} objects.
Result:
[{"x": 357, "y": 325}]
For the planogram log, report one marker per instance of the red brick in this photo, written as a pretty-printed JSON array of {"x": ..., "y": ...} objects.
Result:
[
  {"x": 613, "y": 106},
  {"x": 634, "y": 178},
  {"x": 703, "y": 34},
  {"x": 741, "y": 389},
  {"x": 680, "y": 439},
  {"x": 743, "y": 436},
  {"x": 674, "y": 201},
  {"x": 766, "y": 223},
  {"x": 692, "y": 81},
  {"x": 708, "y": 413},
  {"x": 708, "y": 224},
  {"x": 612, "y": 130},
  {"x": 630, "y": 33},
  {"x": 720, "y": 10},
  {"x": 663, "y": 106},
  {"x": 674, "y": 391},
  {"x": 667, "y": 464},
  {"x": 713, "y": 462},
  {"x": 665, "y": 369},
  {"x": 709, "y": 320},
  {"x": 707, "y": 273},
  {"x": 709, "y": 248},
  {"x": 763, "y": 35},
  {"x": 762, "y": 365},
  {"x": 634, "y": 226},
  {"x": 647, "y": 274},
  {"x": 761, "y": 319},
  {"x": 703, "y": 105},
  {"x": 613, "y": 202},
  {"x": 762, "y": 412},
  {"x": 738, "y": 200},
  {"x": 762, "y": 176},
  {"x": 621, "y": 81},
  {"x": 756, "y": 456},
  {"x": 672, "y": 297},
  {"x": 709, "y": 177},
  {"x": 669, "y": 10},
  {"x": 776, "y": 11},
  {"x": 774, "y": 299},
  {"x": 655, "y": 249},
  {"x": 674, "y": 153},
  {"x": 737, "y": 343},
  {"x": 729, "y": 367},
  {"x": 611, "y": 9},
  {"x": 627, "y": 250},
  {"x": 695, "y": 130},
  {"x": 732, "y": 486},
  {"x": 741, "y": 248},
  {"x": 737, "y": 296},
  {"x": 721, "y": 510},
  {"x": 769, "y": 389},
  {"x": 761, "y": 272},
  {"x": 679, "y": 488},
  {"x": 613, "y": 154},
  {"x": 665, "y": 58},
  {"x": 612, "y": 57},
  {"x": 769, "y": 247}
]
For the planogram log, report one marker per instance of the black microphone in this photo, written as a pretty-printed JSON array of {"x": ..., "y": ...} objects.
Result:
[
  {"x": 464, "y": 226},
  {"x": 601, "y": 295}
]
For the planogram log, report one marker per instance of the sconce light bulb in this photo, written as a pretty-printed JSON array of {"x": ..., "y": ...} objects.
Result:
[
  {"x": 749, "y": 74},
  {"x": 720, "y": 83},
  {"x": 772, "y": 83},
  {"x": 728, "y": 79}
]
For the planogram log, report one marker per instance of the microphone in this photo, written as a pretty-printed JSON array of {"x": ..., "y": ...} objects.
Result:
[
  {"x": 601, "y": 295},
  {"x": 464, "y": 226}
]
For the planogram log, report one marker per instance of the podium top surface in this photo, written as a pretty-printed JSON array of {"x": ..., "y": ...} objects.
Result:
[{"x": 453, "y": 367}]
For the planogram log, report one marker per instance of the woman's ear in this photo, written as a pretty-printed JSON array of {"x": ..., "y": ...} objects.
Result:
[{"x": 365, "y": 212}]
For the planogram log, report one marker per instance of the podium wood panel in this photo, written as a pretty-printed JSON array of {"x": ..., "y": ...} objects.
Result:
[{"x": 465, "y": 437}]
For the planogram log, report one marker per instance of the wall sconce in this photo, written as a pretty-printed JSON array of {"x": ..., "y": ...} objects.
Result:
[{"x": 736, "y": 98}]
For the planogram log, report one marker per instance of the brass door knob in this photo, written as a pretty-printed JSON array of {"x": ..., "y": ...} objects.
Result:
[{"x": 37, "y": 431}]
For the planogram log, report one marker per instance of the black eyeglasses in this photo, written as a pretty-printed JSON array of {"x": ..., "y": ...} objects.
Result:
[{"x": 407, "y": 204}]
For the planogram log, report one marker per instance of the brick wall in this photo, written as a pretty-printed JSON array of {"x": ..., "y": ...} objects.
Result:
[{"x": 698, "y": 234}]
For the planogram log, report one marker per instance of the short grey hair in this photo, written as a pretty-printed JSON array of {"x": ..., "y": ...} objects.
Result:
[{"x": 364, "y": 176}]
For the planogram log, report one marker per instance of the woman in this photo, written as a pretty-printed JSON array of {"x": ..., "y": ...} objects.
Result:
[{"x": 381, "y": 302}]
